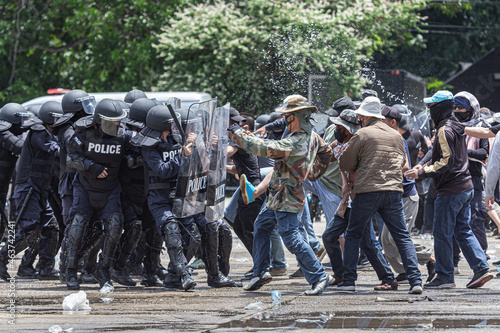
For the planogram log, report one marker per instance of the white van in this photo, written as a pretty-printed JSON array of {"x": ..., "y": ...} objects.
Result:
[{"x": 187, "y": 97}]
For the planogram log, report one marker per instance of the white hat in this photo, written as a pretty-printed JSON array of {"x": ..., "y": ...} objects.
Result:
[{"x": 370, "y": 107}]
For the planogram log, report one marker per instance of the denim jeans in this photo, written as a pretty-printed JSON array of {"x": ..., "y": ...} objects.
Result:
[
  {"x": 451, "y": 217},
  {"x": 288, "y": 228},
  {"x": 373, "y": 253},
  {"x": 330, "y": 202},
  {"x": 478, "y": 213},
  {"x": 306, "y": 228},
  {"x": 389, "y": 204}
]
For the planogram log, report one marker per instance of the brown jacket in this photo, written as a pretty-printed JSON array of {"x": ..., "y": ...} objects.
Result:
[{"x": 377, "y": 152}]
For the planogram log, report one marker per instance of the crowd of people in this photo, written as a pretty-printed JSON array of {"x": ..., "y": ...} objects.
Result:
[{"x": 103, "y": 188}]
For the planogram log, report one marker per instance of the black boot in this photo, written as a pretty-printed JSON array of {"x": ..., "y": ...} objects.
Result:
[
  {"x": 72, "y": 279},
  {"x": 103, "y": 275},
  {"x": 26, "y": 269},
  {"x": 225, "y": 247},
  {"x": 88, "y": 277},
  {"x": 172, "y": 281},
  {"x": 187, "y": 282},
  {"x": 48, "y": 273},
  {"x": 220, "y": 281},
  {"x": 151, "y": 280},
  {"x": 22, "y": 240},
  {"x": 122, "y": 277}
]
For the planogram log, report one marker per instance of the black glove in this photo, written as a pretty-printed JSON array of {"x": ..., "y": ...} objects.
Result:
[
  {"x": 96, "y": 169},
  {"x": 233, "y": 128}
]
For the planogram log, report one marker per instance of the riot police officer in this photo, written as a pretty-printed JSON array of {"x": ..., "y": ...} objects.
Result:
[
  {"x": 162, "y": 154},
  {"x": 11, "y": 143},
  {"x": 34, "y": 215},
  {"x": 76, "y": 104},
  {"x": 134, "y": 95},
  {"x": 96, "y": 150},
  {"x": 138, "y": 218}
]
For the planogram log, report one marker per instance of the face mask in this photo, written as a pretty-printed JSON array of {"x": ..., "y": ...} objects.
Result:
[
  {"x": 441, "y": 111},
  {"x": 287, "y": 119},
  {"x": 462, "y": 116},
  {"x": 340, "y": 136}
]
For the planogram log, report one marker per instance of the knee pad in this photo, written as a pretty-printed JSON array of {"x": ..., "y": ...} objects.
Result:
[{"x": 173, "y": 237}]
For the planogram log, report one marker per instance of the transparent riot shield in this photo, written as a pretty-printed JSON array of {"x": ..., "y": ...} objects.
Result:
[
  {"x": 193, "y": 172},
  {"x": 422, "y": 123},
  {"x": 217, "y": 150}
]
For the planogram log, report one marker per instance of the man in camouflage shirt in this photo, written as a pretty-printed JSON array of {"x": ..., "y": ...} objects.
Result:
[{"x": 299, "y": 156}]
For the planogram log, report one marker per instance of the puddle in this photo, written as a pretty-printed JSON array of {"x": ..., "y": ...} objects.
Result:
[{"x": 362, "y": 320}]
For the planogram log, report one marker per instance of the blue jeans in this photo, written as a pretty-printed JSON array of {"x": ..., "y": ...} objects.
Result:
[
  {"x": 306, "y": 228},
  {"x": 451, "y": 217},
  {"x": 389, "y": 204},
  {"x": 288, "y": 228},
  {"x": 373, "y": 253},
  {"x": 330, "y": 202}
]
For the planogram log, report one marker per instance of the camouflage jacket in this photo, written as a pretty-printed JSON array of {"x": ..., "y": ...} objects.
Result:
[{"x": 299, "y": 156}]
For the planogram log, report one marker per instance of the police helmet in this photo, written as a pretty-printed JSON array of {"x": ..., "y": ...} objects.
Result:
[
  {"x": 50, "y": 111},
  {"x": 138, "y": 111},
  {"x": 78, "y": 100},
  {"x": 403, "y": 109},
  {"x": 13, "y": 113},
  {"x": 262, "y": 120},
  {"x": 159, "y": 118},
  {"x": 134, "y": 95},
  {"x": 109, "y": 113}
]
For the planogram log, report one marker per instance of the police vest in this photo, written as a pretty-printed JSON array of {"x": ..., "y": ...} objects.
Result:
[
  {"x": 101, "y": 149},
  {"x": 65, "y": 131},
  {"x": 35, "y": 163},
  {"x": 165, "y": 187},
  {"x": 132, "y": 182}
]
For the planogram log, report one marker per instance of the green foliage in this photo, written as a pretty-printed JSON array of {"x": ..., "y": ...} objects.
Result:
[
  {"x": 434, "y": 84},
  {"x": 94, "y": 45},
  {"x": 254, "y": 53}
]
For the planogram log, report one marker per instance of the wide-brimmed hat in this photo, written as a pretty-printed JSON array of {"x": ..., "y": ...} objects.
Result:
[
  {"x": 295, "y": 103},
  {"x": 370, "y": 107},
  {"x": 348, "y": 119}
]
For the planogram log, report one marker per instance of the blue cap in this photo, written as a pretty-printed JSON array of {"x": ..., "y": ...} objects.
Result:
[{"x": 441, "y": 95}]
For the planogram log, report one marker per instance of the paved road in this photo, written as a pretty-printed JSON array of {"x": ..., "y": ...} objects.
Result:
[{"x": 39, "y": 305}]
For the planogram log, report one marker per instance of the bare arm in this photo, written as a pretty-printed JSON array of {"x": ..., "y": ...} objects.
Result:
[{"x": 479, "y": 132}]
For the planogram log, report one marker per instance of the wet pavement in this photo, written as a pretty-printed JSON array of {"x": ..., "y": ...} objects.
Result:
[{"x": 38, "y": 305}]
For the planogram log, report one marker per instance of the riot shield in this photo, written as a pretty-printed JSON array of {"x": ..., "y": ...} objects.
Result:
[
  {"x": 193, "y": 172},
  {"x": 422, "y": 123},
  {"x": 217, "y": 150}
]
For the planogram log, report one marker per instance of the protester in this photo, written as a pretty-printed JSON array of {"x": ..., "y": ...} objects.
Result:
[
  {"x": 449, "y": 168},
  {"x": 377, "y": 152}
]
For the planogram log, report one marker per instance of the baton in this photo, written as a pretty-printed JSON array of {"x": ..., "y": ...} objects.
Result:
[
  {"x": 25, "y": 204},
  {"x": 176, "y": 121}
]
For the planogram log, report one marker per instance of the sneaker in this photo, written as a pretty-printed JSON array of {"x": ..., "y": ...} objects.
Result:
[
  {"x": 345, "y": 287},
  {"x": 479, "y": 279},
  {"x": 431, "y": 270},
  {"x": 416, "y": 290},
  {"x": 297, "y": 274},
  {"x": 278, "y": 271},
  {"x": 318, "y": 287},
  {"x": 437, "y": 283},
  {"x": 197, "y": 264},
  {"x": 402, "y": 279},
  {"x": 247, "y": 190},
  {"x": 387, "y": 286},
  {"x": 320, "y": 253},
  {"x": 258, "y": 281},
  {"x": 496, "y": 263},
  {"x": 456, "y": 271}
]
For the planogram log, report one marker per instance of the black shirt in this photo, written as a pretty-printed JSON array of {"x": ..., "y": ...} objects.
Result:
[
  {"x": 247, "y": 164},
  {"x": 416, "y": 142}
]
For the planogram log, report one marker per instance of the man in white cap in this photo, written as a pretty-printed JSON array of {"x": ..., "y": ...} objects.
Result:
[{"x": 378, "y": 154}]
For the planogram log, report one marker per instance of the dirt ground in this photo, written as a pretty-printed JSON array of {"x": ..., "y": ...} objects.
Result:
[{"x": 38, "y": 305}]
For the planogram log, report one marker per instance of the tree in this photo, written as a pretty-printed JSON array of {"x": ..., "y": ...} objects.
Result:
[
  {"x": 93, "y": 45},
  {"x": 254, "y": 53}
]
